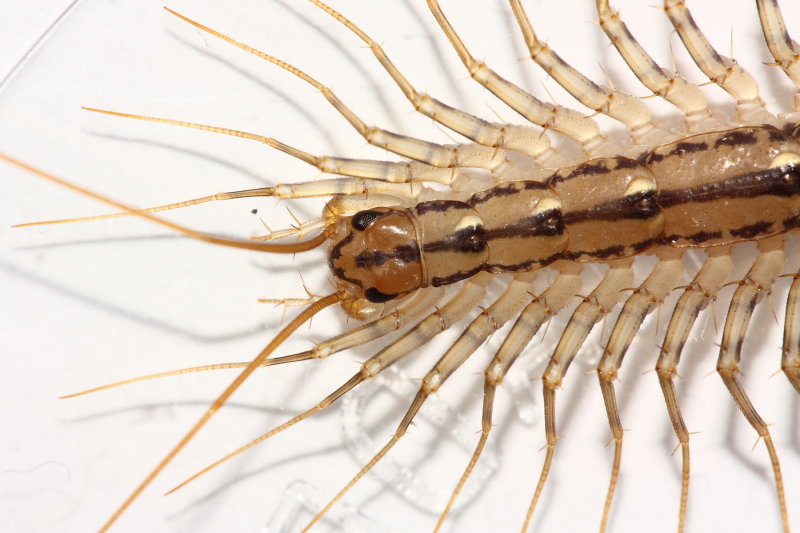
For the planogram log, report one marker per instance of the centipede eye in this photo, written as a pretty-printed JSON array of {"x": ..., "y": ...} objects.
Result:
[
  {"x": 362, "y": 219},
  {"x": 377, "y": 297}
]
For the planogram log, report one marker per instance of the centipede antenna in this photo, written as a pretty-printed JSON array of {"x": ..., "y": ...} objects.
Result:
[
  {"x": 265, "y": 191},
  {"x": 284, "y": 334},
  {"x": 207, "y": 237},
  {"x": 303, "y": 356},
  {"x": 421, "y": 244}
]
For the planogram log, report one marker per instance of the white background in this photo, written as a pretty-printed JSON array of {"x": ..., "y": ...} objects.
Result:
[{"x": 92, "y": 303}]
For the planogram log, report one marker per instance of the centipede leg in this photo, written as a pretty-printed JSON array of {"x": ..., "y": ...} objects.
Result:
[
  {"x": 672, "y": 87},
  {"x": 785, "y": 50},
  {"x": 535, "y": 314},
  {"x": 434, "y": 323},
  {"x": 723, "y": 71},
  {"x": 644, "y": 299},
  {"x": 508, "y": 305},
  {"x": 515, "y": 137},
  {"x": 604, "y": 296},
  {"x": 695, "y": 297},
  {"x": 756, "y": 284},
  {"x": 790, "y": 362},
  {"x": 558, "y": 118},
  {"x": 390, "y": 171},
  {"x": 438, "y": 155},
  {"x": 620, "y": 106}
]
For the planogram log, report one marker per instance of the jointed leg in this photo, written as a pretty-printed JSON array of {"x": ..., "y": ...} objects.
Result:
[
  {"x": 561, "y": 119},
  {"x": 756, "y": 284},
  {"x": 521, "y": 138},
  {"x": 695, "y": 297},
  {"x": 790, "y": 362},
  {"x": 444, "y": 156},
  {"x": 470, "y": 295},
  {"x": 370, "y": 331},
  {"x": 623, "y": 107},
  {"x": 539, "y": 311},
  {"x": 391, "y": 171},
  {"x": 649, "y": 295},
  {"x": 604, "y": 297},
  {"x": 508, "y": 305},
  {"x": 672, "y": 87},
  {"x": 785, "y": 51},
  {"x": 723, "y": 71}
]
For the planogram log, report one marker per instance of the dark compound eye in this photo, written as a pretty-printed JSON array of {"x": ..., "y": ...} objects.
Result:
[
  {"x": 362, "y": 219},
  {"x": 375, "y": 296}
]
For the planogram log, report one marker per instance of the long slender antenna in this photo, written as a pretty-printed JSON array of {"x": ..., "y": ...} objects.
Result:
[
  {"x": 207, "y": 237},
  {"x": 303, "y": 356},
  {"x": 258, "y": 361}
]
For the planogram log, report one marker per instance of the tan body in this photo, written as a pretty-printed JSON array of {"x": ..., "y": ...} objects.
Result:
[{"x": 696, "y": 192}]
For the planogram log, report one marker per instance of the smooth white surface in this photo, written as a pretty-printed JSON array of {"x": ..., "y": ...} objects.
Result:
[{"x": 92, "y": 303}]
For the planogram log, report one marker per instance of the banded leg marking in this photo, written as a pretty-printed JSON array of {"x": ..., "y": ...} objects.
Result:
[
  {"x": 558, "y": 118},
  {"x": 604, "y": 297},
  {"x": 723, "y": 71},
  {"x": 508, "y": 305},
  {"x": 623, "y": 107},
  {"x": 375, "y": 329},
  {"x": 782, "y": 47},
  {"x": 756, "y": 284},
  {"x": 790, "y": 362},
  {"x": 538, "y": 312},
  {"x": 696, "y": 297},
  {"x": 521, "y": 138},
  {"x": 390, "y": 171},
  {"x": 438, "y": 155},
  {"x": 467, "y": 298},
  {"x": 672, "y": 87},
  {"x": 649, "y": 295}
]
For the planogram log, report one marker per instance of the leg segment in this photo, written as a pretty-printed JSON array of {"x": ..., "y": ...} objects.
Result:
[
  {"x": 549, "y": 116},
  {"x": 503, "y": 309},
  {"x": 644, "y": 299},
  {"x": 604, "y": 297},
  {"x": 394, "y": 321},
  {"x": 391, "y": 171},
  {"x": 470, "y": 295},
  {"x": 539, "y": 311},
  {"x": 785, "y": 51},
  {"x": 695, "y": 297},
  {"x": 672, "y": 87},
  {"x": 723, "y": 71},
  {"x": 444, "y": 156},
  {"x": 629, "y": 110},
  {"x": 756, "y": 284},
  {"x": 522, "y": 138},
  {"x": 790, "y": 362}
]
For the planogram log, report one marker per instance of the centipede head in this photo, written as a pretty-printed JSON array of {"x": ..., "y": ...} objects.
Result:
[{"x": 375, "y": 259}]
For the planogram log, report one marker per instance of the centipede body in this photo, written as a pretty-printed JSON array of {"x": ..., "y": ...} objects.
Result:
[{"x": 200, "y": 307}]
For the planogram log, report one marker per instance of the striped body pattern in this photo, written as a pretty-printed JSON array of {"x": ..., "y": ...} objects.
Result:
[{"x": 516, "y": 248}]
